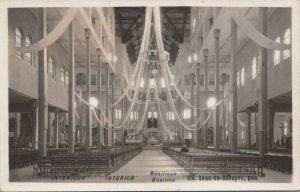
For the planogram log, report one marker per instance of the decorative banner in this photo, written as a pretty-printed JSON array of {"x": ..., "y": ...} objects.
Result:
[
  {"x": 53, "y": 35},
  {"x": 253, "y": 33}
]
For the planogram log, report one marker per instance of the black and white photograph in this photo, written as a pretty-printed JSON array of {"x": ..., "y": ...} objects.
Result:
[{"x": 149, "y": 95}]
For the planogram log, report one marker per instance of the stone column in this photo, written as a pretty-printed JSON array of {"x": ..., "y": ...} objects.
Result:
[
  {"x": 192, "y": 108},
  {"x": 233, "y": 86},
  {"x": 248, "y": 140},
  {"x": 71, "y": 96},
  {"x": 35, "y": 121},
  {"x": 198, "y": 103},
  {"x": 99, "y": 128},
  {"x": 271, "y": 125},
  {"x": 263, "y": 97},
  {"x": 182, "y": 128},
  {"x": 205, "y": 128},
  {"x": 88, "y": 140},
  {"x": 217, "y": 119},
  {"x": 112, "y": 111},
  {"x": 42, "y": 84},
  {"x": 224, "y": 76},
  {"x": 107, "y": 105},
  {"x": 56, "y": 128}
]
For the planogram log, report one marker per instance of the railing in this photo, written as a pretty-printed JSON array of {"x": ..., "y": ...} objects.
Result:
[{"x": 152, "y": 147}]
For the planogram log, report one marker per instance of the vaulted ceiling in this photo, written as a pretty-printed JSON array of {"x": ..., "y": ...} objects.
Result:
[{"x": 130, "y": 27}]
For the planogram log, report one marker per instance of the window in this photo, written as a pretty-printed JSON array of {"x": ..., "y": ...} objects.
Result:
[
  {"x": 186, "y": 113},
  {"x": 19, "y": 41},
  {"x": 254, "y": 68},
  {"x": 142, "y": 83},
  {"x": 116, "y": 113},
  {"x": 211, "y": 79},
  {"x": 51, "y": 67},
  {"x": 163, "y": 83},
  {"x": 149, "y": 114},
  {"x": 201, "y": 80},
  {"x": 62, "y": 75},
  {"x": 120, "y": 114},
  {"x": 67, "y": 78},
  {"x": 172, "y": 80},
  {"x": 28, "y": 56},
  {"x": 276, "y": 56},
  {"x": 93, "y": 79},
  {"x": 238, "y": 79},
  {"x": 152, "y": 82},
  {"x": 80, "y": 79},
  {"x": 243, "y": 76},
  {"x": 155, "y": 114},
  {"x": 287, "y": 41},
  {"x": 131, "y": 115},
  {"x": 211, "y": 22}
]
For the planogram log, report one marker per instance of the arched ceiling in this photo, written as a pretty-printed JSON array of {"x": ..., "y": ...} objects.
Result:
[{"x": 130, "y": 27}]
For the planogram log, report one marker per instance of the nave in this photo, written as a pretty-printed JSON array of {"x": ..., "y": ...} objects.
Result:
[
  {"x": 144, "y": 167},
  {"x": 143, "y": 94}
]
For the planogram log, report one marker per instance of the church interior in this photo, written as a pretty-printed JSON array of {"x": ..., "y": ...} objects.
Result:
[{"x": 104, "y": 93}]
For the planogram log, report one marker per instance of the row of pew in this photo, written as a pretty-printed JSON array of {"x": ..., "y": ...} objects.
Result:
[
  {"x": 152, "y": 147},
  {"x": 204, "y": 162},
  {"x": 23, "y": 158},
  {"x": 85, "y": 164}
]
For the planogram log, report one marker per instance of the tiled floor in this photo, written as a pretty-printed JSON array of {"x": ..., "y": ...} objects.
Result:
[{"x": 139, "y": 170}]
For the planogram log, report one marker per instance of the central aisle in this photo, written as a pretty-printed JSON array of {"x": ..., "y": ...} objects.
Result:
[{"x": 151, "y": 161}]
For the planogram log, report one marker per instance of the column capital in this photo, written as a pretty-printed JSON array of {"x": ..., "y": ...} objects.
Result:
[
  {"x": 87, "y": 32},
  {"x": 217, "y": 33},
  {"x": 205, "y": 52},
  {"x": 35, "y": 103}
]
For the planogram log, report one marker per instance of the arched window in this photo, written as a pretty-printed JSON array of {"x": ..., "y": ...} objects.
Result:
[
  {"x": 155, "y": 114},
  {"x": 62, "y": 75},
  {"x": 28, "y": 56},
  {"x": 172, "y": 116},
  {"x": 131, "y": 115},
  {"x": 243, "y": 76},
  {"x": 116, "y": 113},
  {"x": 287, "y": 40},
  {"x": 135, "y": 115},
  {"x": 120, "y": 114},
  {"x": 163, "y": 83},
  {"x": 149, "y": 114},
  {"x": 51, "y": 67},
  {"x": 276, "y": 56},
  {"x": 67, "y": 78},
  {"x": 254, "y": 68},
  {"x": 19, "y": 41}
]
